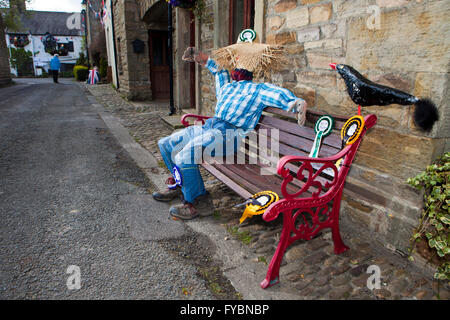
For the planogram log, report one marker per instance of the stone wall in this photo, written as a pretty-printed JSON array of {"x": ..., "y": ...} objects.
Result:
[
  {"x": 5, "y": 72},
  {"x": 399, "y": 43},
  {"x": 207, "y": 100},
  {"x": 144, "y": 6},
  {"x": 134, "y": 68},
  {"x": 96, "y": 35}
]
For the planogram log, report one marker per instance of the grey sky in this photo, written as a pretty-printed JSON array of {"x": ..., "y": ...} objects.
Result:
[{"x": 55, "y": 5}]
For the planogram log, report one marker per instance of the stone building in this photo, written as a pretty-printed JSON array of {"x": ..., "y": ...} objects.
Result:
[
  {"x": 145, "y": 75},
  {"x": 35, "y": 25},
  {"x": 399, "y": 43},
  {"x": 5, "y": 72},
  {"x": 95, "y": 34}
]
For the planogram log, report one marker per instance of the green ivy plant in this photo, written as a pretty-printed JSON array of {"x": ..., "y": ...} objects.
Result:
[
  {"x": 434, "y": 224},
  {"x": 199, "y": 9},
  {"x": 22, "y": 61}
]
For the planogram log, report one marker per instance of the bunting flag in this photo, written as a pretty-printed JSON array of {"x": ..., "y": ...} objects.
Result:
[{"x": 101, "y": 14}]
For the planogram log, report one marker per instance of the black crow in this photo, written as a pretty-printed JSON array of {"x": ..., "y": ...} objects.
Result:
[{"x": 367, "y": 93}]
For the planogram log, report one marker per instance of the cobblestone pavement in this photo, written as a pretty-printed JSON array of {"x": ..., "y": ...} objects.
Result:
[{"x": 309, "y": 269}]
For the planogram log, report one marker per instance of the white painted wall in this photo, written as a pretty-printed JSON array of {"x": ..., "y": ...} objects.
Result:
[{"x": 110, "y": 43}]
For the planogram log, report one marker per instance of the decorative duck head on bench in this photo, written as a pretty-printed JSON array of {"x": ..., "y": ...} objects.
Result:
[{"x": 257, "y": 204}]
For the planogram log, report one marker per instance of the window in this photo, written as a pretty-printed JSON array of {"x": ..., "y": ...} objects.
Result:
[
  {"x": 158, "y": 48},
  {"x": 70, "y": 46},
  {"x": 242, "y": 16},
  {"x": 19, "y": 40},
  {"x": 62, "y": 49}
]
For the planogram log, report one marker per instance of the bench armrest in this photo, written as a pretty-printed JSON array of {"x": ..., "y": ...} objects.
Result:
[
  {"x": 186, "y": 123},
  {"x": 313, "y": 179},
  {"x": 314, "y": 183}
]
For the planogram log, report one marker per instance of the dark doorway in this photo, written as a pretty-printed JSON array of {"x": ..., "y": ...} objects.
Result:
[
  {"x": 159, "y": 64},
  {"x": 242, "y": 16}
]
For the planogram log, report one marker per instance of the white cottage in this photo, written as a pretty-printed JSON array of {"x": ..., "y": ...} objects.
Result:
[{"x": 65, "y": 27}]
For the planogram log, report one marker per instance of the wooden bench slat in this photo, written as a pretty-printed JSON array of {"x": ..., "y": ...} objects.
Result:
[
  {"x": 299, "y": 146},
  {"x": 333, "y": 140},
  {"x": 294, "y": 169},
  {"x": 228, "y": 181},
  {"x": 249, "y": 175},
  {"x": 255, "y": 165},
  {"x": 303, "y": 143},
  {"x": 311, "y": 116},
  {"x": 237, "y": 179},
  {"x": 281, "y": 112}
]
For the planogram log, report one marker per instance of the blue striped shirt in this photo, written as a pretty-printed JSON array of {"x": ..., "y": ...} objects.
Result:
[{"x": 241, "y": 102}]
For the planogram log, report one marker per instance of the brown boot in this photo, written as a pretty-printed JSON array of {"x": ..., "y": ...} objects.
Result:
[
  {"x": 202, "y": 206},
  {"x": 169, "y": 194}
]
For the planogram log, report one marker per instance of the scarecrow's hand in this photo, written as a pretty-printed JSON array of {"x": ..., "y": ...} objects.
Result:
[
  {"x": 301, "y": 112},
  {"x": 191, "y": 54},
  {"x": 299, "y": 106},
  {"x": 201, "y": 58}
]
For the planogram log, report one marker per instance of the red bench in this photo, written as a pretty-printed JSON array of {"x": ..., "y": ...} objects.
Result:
[{"x": 309, "y": 197}]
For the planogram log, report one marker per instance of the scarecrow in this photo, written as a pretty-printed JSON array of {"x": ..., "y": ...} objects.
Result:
[{"x": 240, "y": 103}]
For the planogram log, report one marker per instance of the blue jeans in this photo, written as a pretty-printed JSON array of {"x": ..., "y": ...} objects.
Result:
[{"x": 189, "y": 147}]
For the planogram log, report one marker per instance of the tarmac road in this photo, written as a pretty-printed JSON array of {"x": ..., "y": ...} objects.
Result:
[{"x": 64, "y": 188}]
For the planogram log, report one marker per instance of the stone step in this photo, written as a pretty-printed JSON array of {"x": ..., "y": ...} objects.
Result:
[{"x": 175, "y": 120}]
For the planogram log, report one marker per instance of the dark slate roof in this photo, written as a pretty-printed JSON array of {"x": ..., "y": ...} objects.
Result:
[{"x": 40, "y": 22}]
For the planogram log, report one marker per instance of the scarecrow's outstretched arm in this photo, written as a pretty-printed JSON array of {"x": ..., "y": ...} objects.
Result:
[
  {"x": 221, "y": 76},
  {"x": 277, "y": 97}
]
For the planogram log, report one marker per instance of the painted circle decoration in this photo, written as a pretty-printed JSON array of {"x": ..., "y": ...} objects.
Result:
[
  {"x": 262, "y": 200},
  {"x": 177, "y": 176},
  {"x": 324, "y": 124},
  {"x": 323, "y": 127},
  {"x": 247, "y": 35},
  {"x": 352, "y": 130}
]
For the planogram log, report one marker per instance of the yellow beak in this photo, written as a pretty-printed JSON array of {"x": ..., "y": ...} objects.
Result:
[{"x": 248, "y": 213}]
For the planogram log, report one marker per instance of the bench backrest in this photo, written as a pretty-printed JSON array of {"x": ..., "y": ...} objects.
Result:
[{"x": 296, "y": 140}]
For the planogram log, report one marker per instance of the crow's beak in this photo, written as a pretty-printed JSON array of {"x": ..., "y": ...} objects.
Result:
[{"x": 333, "y": 66}]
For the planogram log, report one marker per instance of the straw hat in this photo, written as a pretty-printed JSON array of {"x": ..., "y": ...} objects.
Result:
[{"x": 249, "y": 54}]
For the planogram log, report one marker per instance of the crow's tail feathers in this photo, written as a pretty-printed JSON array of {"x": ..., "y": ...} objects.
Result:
[{"x": 425, "y": 114}]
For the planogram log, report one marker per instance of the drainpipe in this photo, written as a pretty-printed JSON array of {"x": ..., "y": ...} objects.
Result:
[
  {"x": 170, "y": 47},
  {"x": 84, "y": 11},
  {"x": 114, "y": 44}
]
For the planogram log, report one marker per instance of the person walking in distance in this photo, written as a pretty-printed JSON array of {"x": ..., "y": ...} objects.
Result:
[{"x": 55, "y": 64}]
